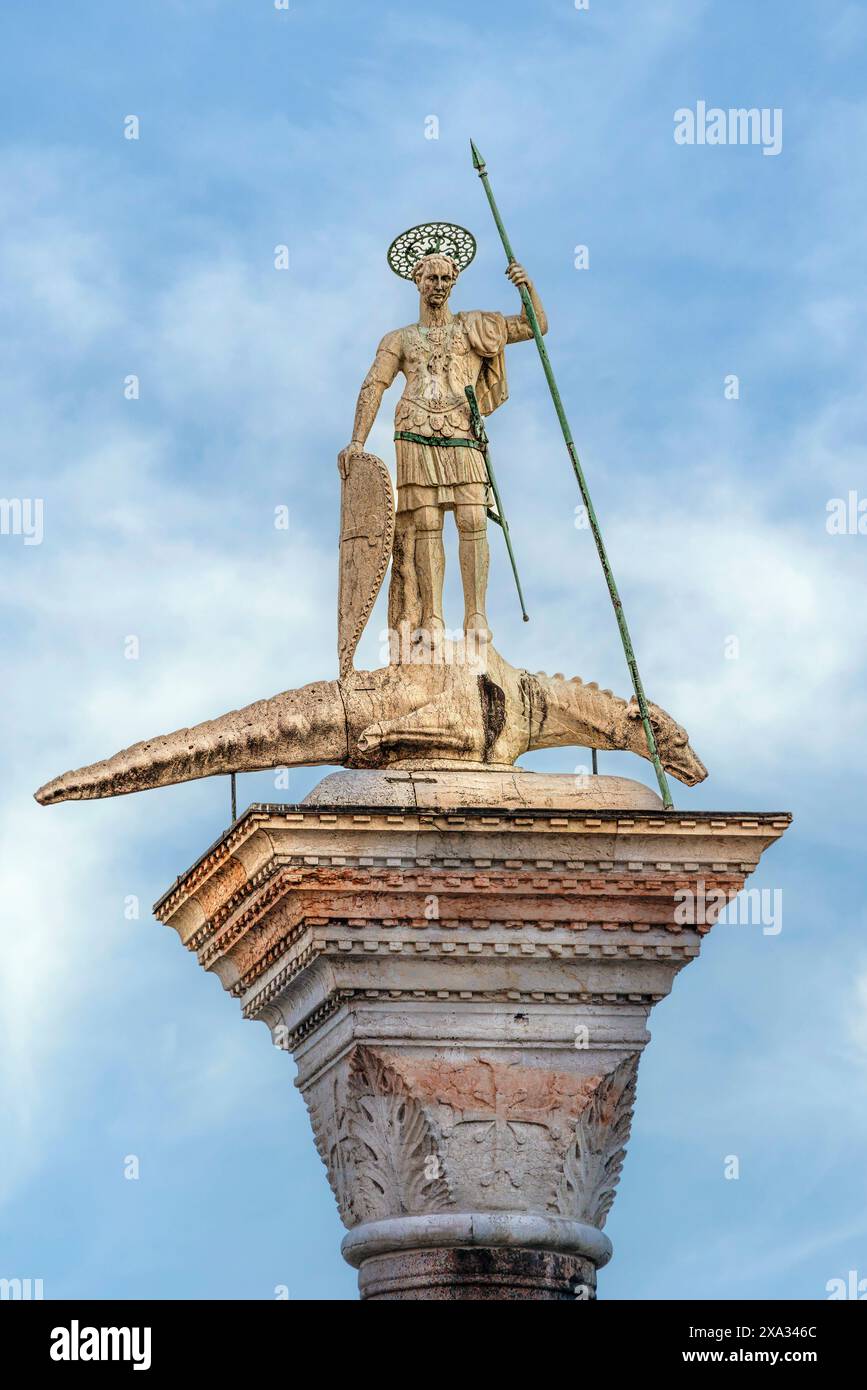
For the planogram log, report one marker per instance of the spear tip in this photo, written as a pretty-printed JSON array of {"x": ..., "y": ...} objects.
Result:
[{"x": 478, "y": 162}]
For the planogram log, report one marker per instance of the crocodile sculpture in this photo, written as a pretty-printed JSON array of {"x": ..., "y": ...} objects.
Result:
[{"x": 462, "y": 710}]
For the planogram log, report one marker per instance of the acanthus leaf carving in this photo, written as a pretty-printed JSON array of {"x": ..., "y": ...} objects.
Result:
[
  {"x": 327, "y": 1109},
  {"x": 378, "y": 1145},
  {"x": 397, "y": 1169},
  {"x": 594, "y": 1158}
]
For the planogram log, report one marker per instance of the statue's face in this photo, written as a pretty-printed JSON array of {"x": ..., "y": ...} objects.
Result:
[{"x": 435, "y": 281}]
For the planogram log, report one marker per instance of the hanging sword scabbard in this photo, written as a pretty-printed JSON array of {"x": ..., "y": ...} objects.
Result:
[
  {"x": 480, "y": 434},
  {"x": 499, "y": 516}
]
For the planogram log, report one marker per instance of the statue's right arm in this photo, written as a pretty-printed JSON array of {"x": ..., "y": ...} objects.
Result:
[{"x": 386, "y": 365}]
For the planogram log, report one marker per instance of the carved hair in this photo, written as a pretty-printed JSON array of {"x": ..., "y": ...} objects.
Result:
[{"x": 434, "y": 256}]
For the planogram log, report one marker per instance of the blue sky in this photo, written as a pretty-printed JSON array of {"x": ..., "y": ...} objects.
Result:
[{"x": 155, "y": 257}]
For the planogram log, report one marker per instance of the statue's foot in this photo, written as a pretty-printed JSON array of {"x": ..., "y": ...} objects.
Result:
[
  {"x": 430, "y": 630},
  {"x": 476, "y": 628},
  {"x": 428, "y": 641}
]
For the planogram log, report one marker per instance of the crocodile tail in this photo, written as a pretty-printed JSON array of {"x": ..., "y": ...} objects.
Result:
[{"x": 304, "y": 726}]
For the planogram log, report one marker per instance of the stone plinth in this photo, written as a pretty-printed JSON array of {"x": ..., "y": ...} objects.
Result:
[{"x": 463, "y": 964}]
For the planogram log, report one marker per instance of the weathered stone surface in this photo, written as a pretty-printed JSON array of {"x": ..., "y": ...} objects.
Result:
[
  {"x": 366, "y": 536},
  {"x": 508, "y": 788},
  {"x": 472, "y": 707},
  {"x": 440, "y": 463},
  {"x": 480, "y": 1274},
  {"x": 465, "y": 989}
]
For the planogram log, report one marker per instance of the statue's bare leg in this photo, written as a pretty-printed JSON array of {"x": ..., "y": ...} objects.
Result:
[
  {"x": 404, "y": 605},
  {"x": 473, "y": 555},
  {"x": 430, "y": 567}
]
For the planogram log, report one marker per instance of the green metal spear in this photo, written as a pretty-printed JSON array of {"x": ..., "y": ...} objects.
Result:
[{"x": 530, "y": 312}]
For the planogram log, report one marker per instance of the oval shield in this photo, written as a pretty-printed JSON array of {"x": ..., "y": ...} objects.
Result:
[{"x": 366, "y": 538}]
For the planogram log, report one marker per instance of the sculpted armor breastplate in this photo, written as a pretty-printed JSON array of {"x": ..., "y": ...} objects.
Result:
[{"x": 439, "y": 363}]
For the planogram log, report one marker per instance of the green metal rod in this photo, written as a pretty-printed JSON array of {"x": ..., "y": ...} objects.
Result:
[
  {"x": 479, "y": 166},
  {"x": 482, "y": 436}
]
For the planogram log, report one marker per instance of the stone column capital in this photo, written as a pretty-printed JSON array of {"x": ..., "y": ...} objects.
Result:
[{"x": 463, "y": 965}]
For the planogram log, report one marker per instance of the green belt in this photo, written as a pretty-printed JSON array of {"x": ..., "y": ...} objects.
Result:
[{"x": 439, "y": 443}]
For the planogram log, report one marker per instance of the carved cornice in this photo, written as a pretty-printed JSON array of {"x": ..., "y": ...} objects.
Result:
[
  {"x": 398, "y": 997},
  {"x": 411, "y": 887},
  {"x": 677, "y": 952},
  {"x": 753, "y": 831},
  {"x": 364, "y": 938},
  {"x": 262, "y": 910}
]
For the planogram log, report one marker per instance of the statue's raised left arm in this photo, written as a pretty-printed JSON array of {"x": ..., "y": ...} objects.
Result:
[{"x": 518, "y": 325}]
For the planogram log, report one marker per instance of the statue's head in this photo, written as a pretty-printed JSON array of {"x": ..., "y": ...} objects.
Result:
[
  {"x": 433, "y": 256},
  {"x": 435, "y": 276}
]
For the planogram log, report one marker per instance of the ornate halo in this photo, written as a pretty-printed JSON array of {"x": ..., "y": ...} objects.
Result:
[{"x": 410, "y": 247}]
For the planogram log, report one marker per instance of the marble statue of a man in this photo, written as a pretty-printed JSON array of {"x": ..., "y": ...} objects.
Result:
[{"x": 440, "y": 466}]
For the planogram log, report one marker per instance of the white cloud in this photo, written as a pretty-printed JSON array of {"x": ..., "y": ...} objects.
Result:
[
  {"x": 56, "y": 902},
  {"x": 158, "y": 512},
  {"x": 857, "y": 1012}
]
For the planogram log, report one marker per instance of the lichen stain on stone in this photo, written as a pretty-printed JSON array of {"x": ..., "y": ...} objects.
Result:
[
  {"x": 533, "y": 694},
  {"x": 493, "y": 702},
  {"x": 482, "y": 1085}
]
